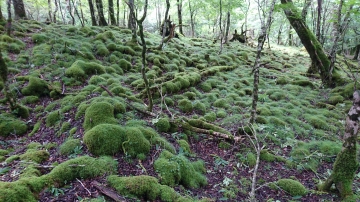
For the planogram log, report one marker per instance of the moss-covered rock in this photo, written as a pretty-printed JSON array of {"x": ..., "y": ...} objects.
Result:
[
  {"x": 184, "y": 145},
  {"x": 38, "y": 156},
  {"x": 36, "y": 87},
  {"x": 293, "y": 187},
  {"x": 52, "y": 118},
  {"x": 178, "y": 169},
  {"x": 81, "y": 70},
  {"x": 99, "y": 113},
  {"x": 69, "y": 145},
  {"x": 185, "y": 105},
  {"x": 10, "y": 125},
  {"x": 163, "y": 125},
  {"x": 145, "y": 187}
]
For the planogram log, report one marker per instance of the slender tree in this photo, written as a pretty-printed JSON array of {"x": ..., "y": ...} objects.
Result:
[
  {"x": 164, "y": 24},
  {"x": 19, "y": 9},
  {"x": 50, "y": 11},
  {"x": 92, "y": 13},
  {"x": 55, "y": 11},
  {"x": 192, "y": 19},
  {"x": 111, "y": 12},
  {"x": 9, "y": 20},
  {"x": 99, "y": 7},
  {"x": 179, "y": 8},
  {"x": 346, "y": 164},
  {"x": 307, "y": 4},
  {"x": 77, "y": 12},
  {"x": 118, "y": 12},
  {"x": 131, "y": 20},
  {"x": 71, "y": 12},
  {"x": 265, "y": 26},
  {"x": 227, "y": 27}
]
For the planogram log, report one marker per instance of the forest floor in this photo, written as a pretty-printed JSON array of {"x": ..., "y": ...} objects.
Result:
[{"x": 299, "y": 123}]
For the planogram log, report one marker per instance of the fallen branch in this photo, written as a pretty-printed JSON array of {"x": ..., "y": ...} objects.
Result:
[
  {"x": 108, "y": 192},
  {"x": 84, "y": 186},
  {"x": 107, "y": 90}
]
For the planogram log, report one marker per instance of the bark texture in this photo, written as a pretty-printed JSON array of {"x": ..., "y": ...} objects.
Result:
[
  {"x": 312, "y": 45},
  {"x": 99, "y": 6},
  {"x": 346, "y": 163},
  {"x": 19, "y": 9},
  {"x": 92, "y": 13},
  {"x": 179, "y": 7},
  {"x": 111, "y": 12}
]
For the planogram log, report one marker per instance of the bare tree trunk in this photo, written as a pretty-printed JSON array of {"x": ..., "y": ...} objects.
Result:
[
  {"x": 265, "y": 26},
  {"x": 192, "y": 23},
  {"x": 50, "y": 11},
  {"x": 164, "y": 26},
  {"x": 312, "y": 45},
  {"x": 82, "y": 14},
  {"x": 99, "y": 7},
  {"x": 305, "y": 9},
  {"x": 346, "y": 164},
  {"x": 227, "y": 27},
  {"x": 61, "y": 11},
  {"x": 290, "y": 37},
  {"x": 158, "y": 14},
  {"x": 19, "y": 9},
  {"x": 124, "y": 18},
  {"x": 77, "y": 13},
  {"x": 92, "y": 13},
  {"x": 111, "y": 12},
  {"x": 179, "y": 7},
  {"x": 56, "y": 10},
  {"x": 118, "y": 12},
  {"x": 9, "y": 20},
  {"x": 131, "y": 23},
  {"x": 357, "y": 51},
  {"x": 71, "y": 12},
  {"x": 318, "y": 24},
  {"x": 221, "y": 31}
]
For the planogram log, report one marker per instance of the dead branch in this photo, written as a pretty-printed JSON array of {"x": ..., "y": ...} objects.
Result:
[
  {"x": 108, "y": 192},
  {"x": 84, "y": 186}
]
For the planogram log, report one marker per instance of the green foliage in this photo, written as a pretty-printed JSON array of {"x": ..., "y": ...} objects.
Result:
[
  {"x": 81, "y": 70},
  {"x": 211, "y": 116},
  {"x": 99, "y": 113},
  {"x": 251, "y": 159},
  {"x": 37, "y": 156},
  {"x": 52, "y": 118},
  {"x": 163, "y": 125}
]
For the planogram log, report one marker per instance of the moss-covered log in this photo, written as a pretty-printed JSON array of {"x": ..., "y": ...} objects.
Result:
[
  {"x": 346, "y": 163},
  {"x": 308, "y": 39}
]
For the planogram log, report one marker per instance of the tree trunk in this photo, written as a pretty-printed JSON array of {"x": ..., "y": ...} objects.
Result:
[
  {"x": 118, "y": 12},
  {"x": 312, "y": 45},
  {"x": 290, "y": 37},
  {"x": 192, "y": 23},
  {"x": 256, "y": 68},
  {"x": 221, "y": 31},
  {"x": 19, "y": 9},
  {"x": 357, "y": 51},
  {"x": 111, "y": 12},
  {"x": 305, "y": 9},
  {"x": 99, "y": 7},
  {"x": 9, "y": 20},
  {"x": 77, "y": 12},
  {"x": 158, "y": 14},
  {"x": 2, "y": 19},
  {"x": 71, "y": 12},
  {"x": 56, "y": 10},
  {"x": 179, "y": 7},
  {"x": 318, "y": 24},
  {"x": 131, "y": 23},
  {"x": 164, "y": 26},
  {"x": 346, "y": 164},
  {"x": 50, "y": 11},
  {"x": 92, "y": 13},
  {"x": 62, "y": 14},
  {"x": 82, "y": 14},
  {"x": 227, "y": 27}
]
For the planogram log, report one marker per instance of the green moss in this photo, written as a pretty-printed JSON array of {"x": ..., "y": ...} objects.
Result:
[
  {"x": 81, "y": 167},
  {"x": 282, "y": 80},
  {"x": 10, "y": 125},
  {"x": 200, "y": 107},
  {"x": 68, "y": 146},
  {"x": 30, "y": 100},
  {"x": 145, "y": 187},
  {"x": 80, "y": 69},
  {"x": 316, "y": 121},
  {"x": 205, "y": 86},
  {"x": 178, "y": 169},
  {"x": 39, "y": 38},
  {"x": 185, "y": 105},
  {"x": 99, "y": 113},
  {"x": 293, "y": 187},
  {"x": 224, "y": 145},
  {"x": 36, "y": 87},
  {"x": 221, "y": 113},
  {"x": 4, "y": 152},
  {"x": 184, "y": 145},
  {"x": 211, "y": 116},
  {"x": 37, "y": 156},
  {"x": 303, "y": 83},
  {"x": 34, "y": 145},
  {"x": 277, "y": 121},
  {"x": 52, "y": 118},
  {"x": 335, "y": 99},
  {"x": 163, "y": 125},
  {"x": 221, "y": 103},
  {"x": 251, "y": 159},
  {"x": 125, "y": 65},
  {"x": 105, "y": 139},
  {"x": 263, "y": 111}
]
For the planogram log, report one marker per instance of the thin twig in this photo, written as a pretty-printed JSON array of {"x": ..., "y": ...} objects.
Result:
[{"x": 84, "y": 186}]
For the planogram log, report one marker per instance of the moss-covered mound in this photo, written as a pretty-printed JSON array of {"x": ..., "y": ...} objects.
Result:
[
  {"x": 145, "y": 187},
  {"x": 99, "y": 113},
  {"x": 10, "y": 125},
  {"x": 38, "y": 156},
  {"x": 69, "y": 146},
  {"x": 293, "y": 187},
  {"x": 81, "y": 70},
  {"x": 177, "y": 169},
  {"x": 36, "y": 86},
  {"x": 26, "y": 189},
  {"x": 108, "y": 139}
]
